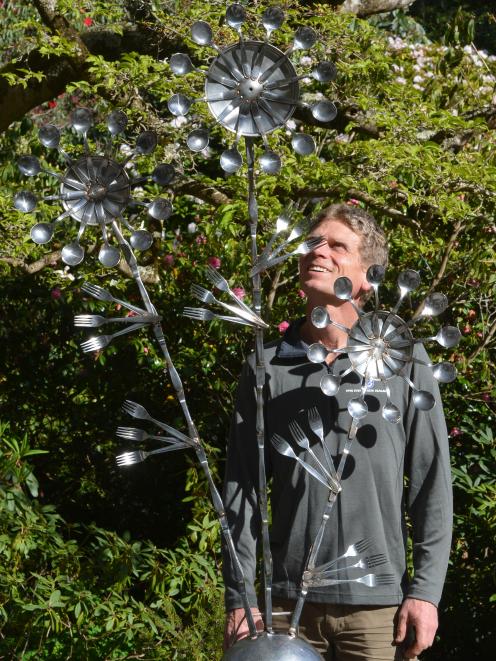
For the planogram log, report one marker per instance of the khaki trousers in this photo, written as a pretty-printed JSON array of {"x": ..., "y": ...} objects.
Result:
[{"x": 343, "y": 633}]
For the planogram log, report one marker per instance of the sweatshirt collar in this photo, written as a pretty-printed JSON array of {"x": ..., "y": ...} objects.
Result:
[{"x": 291, "y": 345}]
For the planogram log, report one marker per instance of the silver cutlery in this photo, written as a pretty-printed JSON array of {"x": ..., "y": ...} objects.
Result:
[
  {"x": 206, "y": 296},
  {"x": 364, "y": 563},
  {"x": 96, "y": 320},
  {"x": 137, "y": 456},
  {"x": 353, "y": 551},
  {"x": 135, "y": 434},
  {"x": 370, "y": 580},
  {"x": 221, "y": 283},
  {"x": 303, "y": 442},
  {"x": 103, "y": 295},
  {"x": 101, "y": 341},
  {"x": 284, "y": 448},
  {"x": 302, "y": 249},
  {"x": 317, "y": 426},
  {"x": 137, "y": 411},
  {"x": 202, "y": 314}
]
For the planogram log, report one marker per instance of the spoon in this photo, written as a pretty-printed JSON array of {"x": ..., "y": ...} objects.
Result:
[
  {"x": 25, "y": 201},
  {"x": 179, "y": 104},
  {"x": 325, "y": 72},
  {"x": 160, "y": 208},
  {"x": 272, "y": 19},
  {"x": 329, "y": 384},
  {"x": 109, "y": 255},
  {"x": 235, "y": 16},
  {"x": 72, "y": 253},
  {"x": 117, "y": 122},
  {"x": 146, "y": 142},
  {"x": 141, "y": 240},
  {"x": 303, "y": 144},
  {"x": 305, "y": 37},
  {"x": 163, "y": 174},
  {"x": 357, "y": 408},
  {"x": 201, "y": 33},
  {"x": 181, "y": 64},
  {"x": 324, "y": 111},
  {"x": 270, "y": 162},
  {"x": 29, "y": 165},
  {"x": 444, "y": 372},
  {"x": 49, "y": 136},
  {"x": 197, "y": 140},
  {"x": 230, "y": 160}
]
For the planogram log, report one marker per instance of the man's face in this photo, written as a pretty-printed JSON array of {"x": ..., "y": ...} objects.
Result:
[{"x": 338, "y": 256}]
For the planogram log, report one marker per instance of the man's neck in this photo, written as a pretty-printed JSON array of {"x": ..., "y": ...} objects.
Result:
[{"x": 333, "y": 338}]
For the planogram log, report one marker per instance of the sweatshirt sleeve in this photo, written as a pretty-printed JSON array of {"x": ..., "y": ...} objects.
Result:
[
  {"x": 240, "y": 492},
  {"x": 429, "y": 493}
]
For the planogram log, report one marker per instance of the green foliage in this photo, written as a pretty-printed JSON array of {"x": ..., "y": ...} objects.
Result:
[
  {"x": 71, "y": 591},
  {"x": 121, "y": 562}
]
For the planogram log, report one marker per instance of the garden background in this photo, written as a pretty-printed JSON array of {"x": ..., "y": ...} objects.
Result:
[{"x": 100, "y": 563}]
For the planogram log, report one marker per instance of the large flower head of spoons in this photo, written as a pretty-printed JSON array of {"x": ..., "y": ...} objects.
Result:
[
  {"x": 252, "y": 88},
  {"x": 381, "y": 345},
  {"x": 96, "y": 189}
]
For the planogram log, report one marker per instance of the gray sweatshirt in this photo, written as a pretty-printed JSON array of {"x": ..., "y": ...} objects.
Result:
[{"x": 394, "y": 471}]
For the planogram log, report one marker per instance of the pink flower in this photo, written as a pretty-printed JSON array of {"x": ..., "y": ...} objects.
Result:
[
  {"x": 88, "y": 21},
  {"x": 52, "y": 104},
  {"x": 283, "y": 326},
  {"x": 353, "y": 203},
  {"x": 301, "y": 293},
  {"x": 486, "y": 397},
  {"x": 239, "y": 292},
  {"x": 200, "y": 239},
  {"x": 56, "y": 293},
  {"x": 214, "y": 262},
  {"x": 455, "y": 432},
  {"x": 169, "y": 260},
  {"x": 145, "y": 349}
]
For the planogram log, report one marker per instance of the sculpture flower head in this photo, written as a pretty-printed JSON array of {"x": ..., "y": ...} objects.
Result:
[
  {"x": 252, "y": 88},
  {"x": 95, "y": 189}
]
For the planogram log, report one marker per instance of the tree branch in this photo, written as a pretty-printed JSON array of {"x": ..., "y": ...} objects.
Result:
[
  {"x": 358, "y": 195},
  {"x": 206, "y": 193},
  {"x": 368, "y": 7},
  {"x": 490, "y": 334},
  {"x": 444, "y": 262}
]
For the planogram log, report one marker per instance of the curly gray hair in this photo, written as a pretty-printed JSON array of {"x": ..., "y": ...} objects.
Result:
[{"x": 373, "y": 246}]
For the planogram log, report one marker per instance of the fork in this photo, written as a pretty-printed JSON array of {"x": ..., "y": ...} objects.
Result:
[
  {"x": 302, "y": 249},
  {"x": 370, "y": 580},
  {"x": 202, "y": 314},
  {"x": 135, "y": 434},
  {"x": 207, "y": 297},
  {"x": 96, "y": 320},
  {"x": 364, "y": 563},
  {"x": 300, "y": 438},
  {"x": 317, "y": 426},
  {"x": 101, "y": 341},
  {"x": 137, "y": 411},
  {"x": 284, "y": 448},
  {"x": 137, "y": 456},
  {"x": 221, "y": 283},
  {"x": 103, "y": 295},
  {"x": 353, "y": 551}
]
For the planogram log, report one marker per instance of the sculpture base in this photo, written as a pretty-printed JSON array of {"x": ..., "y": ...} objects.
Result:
[{"x": 272, "y": 647}]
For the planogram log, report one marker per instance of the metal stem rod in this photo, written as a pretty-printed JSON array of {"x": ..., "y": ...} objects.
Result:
[
  {"x": 192, "y": 431},
  {"x": 260, "y": 384},
  {"x": 315, "y": 548}
]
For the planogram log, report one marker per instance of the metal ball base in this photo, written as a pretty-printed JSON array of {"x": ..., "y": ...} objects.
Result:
[{"x": 272, "y": 647}]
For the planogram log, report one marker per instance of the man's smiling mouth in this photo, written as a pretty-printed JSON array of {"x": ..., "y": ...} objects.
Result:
[{"x": 319, "y": 269}]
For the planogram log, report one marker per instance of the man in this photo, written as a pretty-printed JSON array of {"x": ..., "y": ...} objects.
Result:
[{"x": 348, "y": 621}]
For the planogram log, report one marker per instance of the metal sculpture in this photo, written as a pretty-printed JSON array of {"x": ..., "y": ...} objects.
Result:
[
  {"x": 96, "y": 189},
  {"x": 252, "y": 89}
]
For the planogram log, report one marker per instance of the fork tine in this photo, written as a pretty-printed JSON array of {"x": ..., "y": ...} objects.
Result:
[{"x": 363, "y": 544}]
